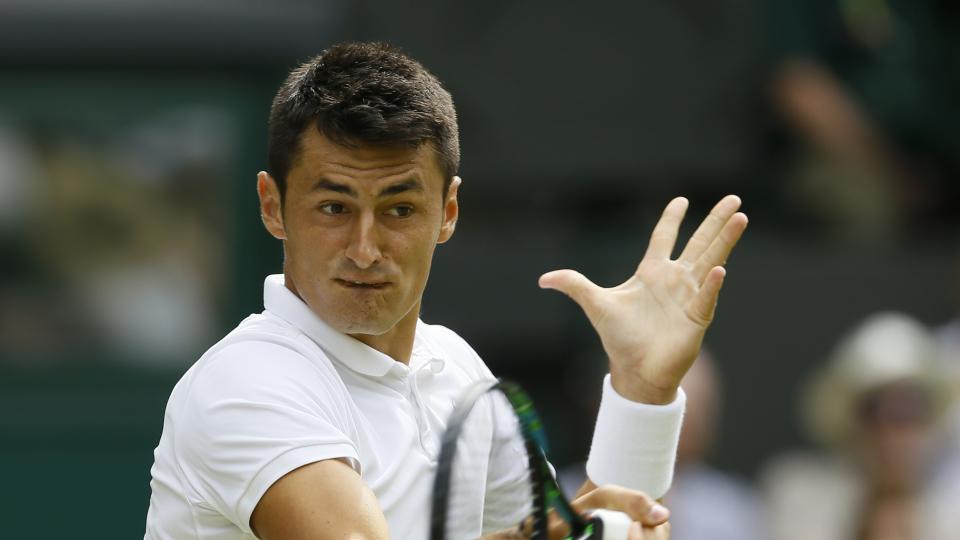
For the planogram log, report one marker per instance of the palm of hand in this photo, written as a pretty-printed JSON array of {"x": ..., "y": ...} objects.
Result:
[{"x": 652, "y": 325}]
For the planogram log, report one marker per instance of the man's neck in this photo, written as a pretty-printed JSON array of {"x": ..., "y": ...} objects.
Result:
[{"x": 397, "y": 343}]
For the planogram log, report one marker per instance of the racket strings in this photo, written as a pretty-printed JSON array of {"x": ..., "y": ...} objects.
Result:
[
  {"x": 492, "y": 486},
  {"x": 492, "y": 473}
]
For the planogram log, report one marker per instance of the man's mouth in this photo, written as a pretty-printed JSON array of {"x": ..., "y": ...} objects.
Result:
[{"x": 359, "y": 284}]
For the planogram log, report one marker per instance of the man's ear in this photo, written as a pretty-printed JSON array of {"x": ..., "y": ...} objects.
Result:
[
  {"x": 451, "y": 211},
  {"x": 271, "y": 211}
]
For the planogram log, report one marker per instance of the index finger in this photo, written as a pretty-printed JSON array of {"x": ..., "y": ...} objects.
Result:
[{"x": 664, "y": 236}]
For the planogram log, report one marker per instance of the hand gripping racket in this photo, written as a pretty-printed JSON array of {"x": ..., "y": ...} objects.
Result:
[{"x": 455, "y": 494}]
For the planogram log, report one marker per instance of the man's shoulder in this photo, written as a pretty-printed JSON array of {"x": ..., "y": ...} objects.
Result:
[
  {"x": 260, "y": 332},
  {"x": 445, "y": 343},
  {"x": 260, "y": 353},
  {"x": 441, "y": 335}
]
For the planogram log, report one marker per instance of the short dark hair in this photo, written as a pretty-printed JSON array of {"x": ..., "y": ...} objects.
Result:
[{"x": 358, "y": 94}]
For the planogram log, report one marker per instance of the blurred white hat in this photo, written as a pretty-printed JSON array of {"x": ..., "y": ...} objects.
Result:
[{"x": 884, "y": 349}]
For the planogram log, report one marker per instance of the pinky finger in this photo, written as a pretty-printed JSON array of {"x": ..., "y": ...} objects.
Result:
[
  {"x": 705, "y": 303},
  {"x": 660, "y": 532}
]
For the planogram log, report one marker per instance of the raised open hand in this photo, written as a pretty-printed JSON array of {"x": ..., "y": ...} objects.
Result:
[{"x": 652, "y": 325}]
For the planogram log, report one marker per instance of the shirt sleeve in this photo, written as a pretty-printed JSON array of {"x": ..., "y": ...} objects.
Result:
[{"x": 255, "y": 412}]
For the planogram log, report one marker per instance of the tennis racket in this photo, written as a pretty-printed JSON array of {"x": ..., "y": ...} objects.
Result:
[{"x": 526, "y": 493}]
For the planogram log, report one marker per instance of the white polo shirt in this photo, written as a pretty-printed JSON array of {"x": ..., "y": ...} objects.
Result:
[{"x": 284, "y": 390}]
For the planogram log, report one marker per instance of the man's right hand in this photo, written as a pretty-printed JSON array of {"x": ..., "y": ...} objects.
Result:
[{"x": 649, "y": 517}]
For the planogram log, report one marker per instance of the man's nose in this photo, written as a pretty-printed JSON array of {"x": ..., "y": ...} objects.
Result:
[{"x": 363, "y": 249}]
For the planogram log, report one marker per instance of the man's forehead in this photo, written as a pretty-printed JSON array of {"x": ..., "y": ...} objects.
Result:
[{"x": 320, "y": 155}]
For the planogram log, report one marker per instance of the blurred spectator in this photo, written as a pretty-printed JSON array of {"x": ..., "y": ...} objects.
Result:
[
  {"x": 868, "y": 90},
  {"x": 705, "y": 503},
  {"x": 877, "y": 408}
]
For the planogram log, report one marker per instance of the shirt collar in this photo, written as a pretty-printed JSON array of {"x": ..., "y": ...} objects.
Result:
[{"x": 359, "y": 357}]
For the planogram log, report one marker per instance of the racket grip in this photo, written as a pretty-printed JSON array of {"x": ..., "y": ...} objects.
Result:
[{"x": 610, "y": 525}]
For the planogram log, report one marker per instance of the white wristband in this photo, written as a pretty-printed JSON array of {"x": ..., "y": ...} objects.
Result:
[{"x": 635, "y": 444}]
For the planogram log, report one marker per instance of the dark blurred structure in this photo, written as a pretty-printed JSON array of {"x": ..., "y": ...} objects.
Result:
[
  {"x": 948, "y": 339},
  {"x": 867, "y": 89},
  {"x": 131, "y": 133}
]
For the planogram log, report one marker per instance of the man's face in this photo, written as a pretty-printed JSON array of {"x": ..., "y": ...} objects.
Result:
[{"x": 359, "y": 227}]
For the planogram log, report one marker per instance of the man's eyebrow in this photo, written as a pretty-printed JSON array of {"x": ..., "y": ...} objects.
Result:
[
  {"x": 330, "y": 185},
  {"x": 400, "y": 187}
]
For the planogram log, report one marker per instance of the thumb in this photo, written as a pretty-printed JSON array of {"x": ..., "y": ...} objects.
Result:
[{"x": 571, "y": 283}]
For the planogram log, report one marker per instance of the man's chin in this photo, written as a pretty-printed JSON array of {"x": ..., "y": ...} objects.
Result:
[
  {"x": 364, "y": 327},
  {"x": 366, "y": 331}
]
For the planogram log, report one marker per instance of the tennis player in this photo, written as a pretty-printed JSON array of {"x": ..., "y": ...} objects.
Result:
[{"x": 320, "y": 417}]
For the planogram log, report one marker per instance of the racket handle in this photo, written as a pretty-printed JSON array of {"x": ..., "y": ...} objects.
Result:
[{"x": 610, "y": 525}]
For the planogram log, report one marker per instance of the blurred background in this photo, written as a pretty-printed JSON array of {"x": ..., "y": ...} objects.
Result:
[{"x": 130, "y": 239}]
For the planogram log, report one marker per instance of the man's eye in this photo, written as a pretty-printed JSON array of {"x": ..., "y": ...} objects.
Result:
[
  {"x": 400, "y": 211},
  {"x": 332, "y": 209}
]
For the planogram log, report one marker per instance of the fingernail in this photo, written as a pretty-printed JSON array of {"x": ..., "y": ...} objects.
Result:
[{"x": 658, "y": 513}]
